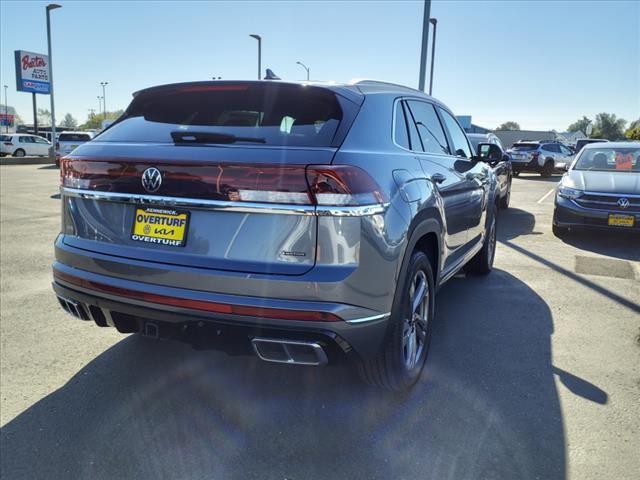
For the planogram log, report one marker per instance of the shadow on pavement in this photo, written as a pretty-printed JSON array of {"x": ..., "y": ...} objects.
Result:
[
  {"x": 515, "y": 222},
  {"x": 485, "y": 407},
  {"x": 622, "y": 245},
  {"x": 49, "y": 167}
]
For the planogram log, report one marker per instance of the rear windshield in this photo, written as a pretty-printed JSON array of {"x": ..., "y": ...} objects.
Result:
[
  {"x": 270, "y": 114},
  {"x": 609, "y": 159},
  {"x": 524, "y": 147},
  {"x": 74, "y": 137}
]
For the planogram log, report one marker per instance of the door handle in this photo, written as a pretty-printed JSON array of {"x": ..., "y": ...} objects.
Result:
[{"x": 438, "y": 178}]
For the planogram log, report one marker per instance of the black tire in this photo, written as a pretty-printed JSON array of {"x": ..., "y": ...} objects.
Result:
[
  {"x": 516, "y": 173},
  {"x": 19, "y": 153},
  {"x": 547, "y": 169},
  {"x": 504, "y": 201},
  {"x": 482, "y": 262},
  {"x": 391, "y": 369}
]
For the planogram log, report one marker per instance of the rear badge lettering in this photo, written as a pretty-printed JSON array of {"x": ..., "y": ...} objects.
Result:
[{"x": 293, "y": 254}]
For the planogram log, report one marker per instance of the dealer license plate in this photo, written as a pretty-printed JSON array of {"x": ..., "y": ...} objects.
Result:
[
  {"x": 621, "y": 220},
  {"x": 160, "y": 226}
]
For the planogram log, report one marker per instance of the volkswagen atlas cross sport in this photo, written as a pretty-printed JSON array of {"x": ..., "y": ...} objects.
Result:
[
  {"x": 601, "y": 190},
  {"x": 307, "y": 223}
]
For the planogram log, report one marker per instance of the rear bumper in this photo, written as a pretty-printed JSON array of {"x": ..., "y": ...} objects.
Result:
[
  {"x": 569, "y": 215},
  {"x": 233, "y": 333}
]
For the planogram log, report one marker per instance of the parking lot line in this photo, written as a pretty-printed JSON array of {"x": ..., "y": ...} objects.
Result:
[{"x": 546, "y": 195}]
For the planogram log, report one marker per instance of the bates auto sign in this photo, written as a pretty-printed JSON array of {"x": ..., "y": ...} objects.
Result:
[{"x": 32, "y": 72}]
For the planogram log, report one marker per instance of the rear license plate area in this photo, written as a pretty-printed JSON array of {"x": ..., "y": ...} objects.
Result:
[{"x": 160, "y": 226}]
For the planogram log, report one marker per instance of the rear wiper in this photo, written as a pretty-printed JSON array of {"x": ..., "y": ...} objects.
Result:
[{"x": 211, "y": 137}]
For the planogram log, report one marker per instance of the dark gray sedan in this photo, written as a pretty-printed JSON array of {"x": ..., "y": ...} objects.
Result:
[{"x": 601, "y": 189}]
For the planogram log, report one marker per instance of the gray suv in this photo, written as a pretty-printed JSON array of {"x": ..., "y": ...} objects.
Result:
[
  {"x": 306, "y": 223},
  {"x": 543, "y": 157}
]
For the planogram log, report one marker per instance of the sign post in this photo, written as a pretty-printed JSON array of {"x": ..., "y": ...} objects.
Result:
[{"x": 33, "y": 75}]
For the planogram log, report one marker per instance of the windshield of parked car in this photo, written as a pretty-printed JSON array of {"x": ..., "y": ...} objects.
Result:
[
  {"x": 609, "y": 159},
  {"x": 278, "y": 114}
]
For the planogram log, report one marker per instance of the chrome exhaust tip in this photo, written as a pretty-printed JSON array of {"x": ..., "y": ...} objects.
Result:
[
  {"x": 294, "y": 352},
  {"x": 72, "y": 307}
]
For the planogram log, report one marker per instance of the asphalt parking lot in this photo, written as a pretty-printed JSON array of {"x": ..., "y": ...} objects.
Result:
[{"x": 534, "y": 372}]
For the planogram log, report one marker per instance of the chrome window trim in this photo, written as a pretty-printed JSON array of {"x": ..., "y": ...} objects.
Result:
[
  {"x": 612, "y": 194},
  {"x": 369, "y": 319},
  {"x": 244, "y": 207}
]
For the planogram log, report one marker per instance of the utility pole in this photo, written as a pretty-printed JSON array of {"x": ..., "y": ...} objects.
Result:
[
  {"x": 6, "y": 111},
  {"x": 259, "y": 39},
  {"x": 51, "y": 6},
  {"x": 35, "y": 114},
  {"x": 104, "y": 100},
  {"x": 434, "y": 22},
  {"x": 425, "y": 44}
]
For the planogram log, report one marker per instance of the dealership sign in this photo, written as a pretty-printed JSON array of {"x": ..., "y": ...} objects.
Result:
[{"x": 32, "y": 72}]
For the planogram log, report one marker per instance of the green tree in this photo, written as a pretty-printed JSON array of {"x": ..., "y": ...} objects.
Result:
[
  {"x": 608, "y": 126},
  {"x": 44, "y": 117},
  {"x": 94, "y": 121},
  {"x": 579, "y": 125},
  {"x": 633, "y": 132},
  {"x": 509, "y": 126},
  {"x": 68, "y": 121}
]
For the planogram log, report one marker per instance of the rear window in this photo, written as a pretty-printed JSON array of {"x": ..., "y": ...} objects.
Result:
[
  {"x": 270, "y": 114},
  {"x": 5, "y": 138},
  {"x": 74, "y": 137},
  {"x": 524, "y": 147}
]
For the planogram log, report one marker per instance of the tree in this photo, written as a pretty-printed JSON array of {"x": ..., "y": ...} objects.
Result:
[
  {"x": 94, "y": 121},
  {"x": 68, "y": 121},
  {"x": 633, "y": 132},
  {"x": 579, "y": 125},
  {"x": 608, "y": 126},
  {"x": 44, "y": 117},
  {"x": 509, "y": 126}
]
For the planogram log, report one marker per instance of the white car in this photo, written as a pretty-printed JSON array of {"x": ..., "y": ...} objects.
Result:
[
  {"x": 24, "y": 145},
  {"x": 69, "y": 141}
]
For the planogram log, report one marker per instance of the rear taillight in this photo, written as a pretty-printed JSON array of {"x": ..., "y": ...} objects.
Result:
[
  {"x": 9, "y": 144},
  {"x": 334, "y": 185}
]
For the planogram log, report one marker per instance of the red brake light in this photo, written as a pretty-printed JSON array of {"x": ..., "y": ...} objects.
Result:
[{"x": 343, "y": 185}]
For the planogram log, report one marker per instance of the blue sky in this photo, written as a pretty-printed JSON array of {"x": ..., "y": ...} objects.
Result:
[{"x": 542, "y": 64}]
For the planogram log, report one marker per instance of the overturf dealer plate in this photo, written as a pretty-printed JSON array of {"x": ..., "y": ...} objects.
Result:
[
  {"x": 621, "y": 220},
  {"x": 160, "y": 226}
]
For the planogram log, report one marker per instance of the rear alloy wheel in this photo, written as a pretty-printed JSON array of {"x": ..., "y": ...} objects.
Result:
[
  {"x": 547, "y": 170},
  {"x": 398, "y": 366},
  {"x": 19, "y": 153}
]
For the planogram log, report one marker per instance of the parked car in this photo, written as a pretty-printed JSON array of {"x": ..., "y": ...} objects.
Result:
[
  {"x": 585, "y": 141},
  {"x": 501, "y": 164},
  {"x": 543, "y": 157},
  {"x": 23, "y": 145},
  {"x": 69, "y": 141},
  {"x": 601, "y": 189},
  {"x": 280, "y": 216}
]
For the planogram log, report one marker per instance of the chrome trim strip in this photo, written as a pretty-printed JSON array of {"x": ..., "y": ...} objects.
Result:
[
  {"x": 604, "y": 210},
  {"x": 245, "y": 207},
  {"x": 369, "y": 319},
  {"x": 613, "y": 194}
]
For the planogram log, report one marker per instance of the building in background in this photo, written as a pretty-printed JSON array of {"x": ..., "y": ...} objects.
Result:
[{"x": 469, "y": 127}]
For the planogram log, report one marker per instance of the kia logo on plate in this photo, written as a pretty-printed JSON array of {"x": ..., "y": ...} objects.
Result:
[
  {"x": 623, "y": 202},
  {"x": 151, "y": 179}
]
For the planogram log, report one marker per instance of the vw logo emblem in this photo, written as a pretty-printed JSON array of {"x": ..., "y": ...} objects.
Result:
[
  {"x": 151, "y": 179},
  {"x": 623, "y": 202}
]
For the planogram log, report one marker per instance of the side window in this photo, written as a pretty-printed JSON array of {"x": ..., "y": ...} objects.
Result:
[
  {"x": 414, "y": 138},
  {"x": 40, "y": 140},
  {"x": 458, "y": 137},
  {"x": 401, "y": 136},
  {"x": 564, "y": 150},
  {"x": 22, "y": 139},
  {"x": 429, "y": 128},
  {"x": 551, "y": 147}
]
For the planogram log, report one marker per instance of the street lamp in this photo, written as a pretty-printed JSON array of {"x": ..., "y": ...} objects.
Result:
[
  {"x": 51, "y": 6},
  {"x": 259, "y": 39},
  {"x": 434, "y": 22},
  {"x": 104, "y": 100},
  {"x": 305, "y": 67},
  {"x": 425, "y": 44},
  {"x": 6, "y": 111},
  {"x": 99, "y": 104}
]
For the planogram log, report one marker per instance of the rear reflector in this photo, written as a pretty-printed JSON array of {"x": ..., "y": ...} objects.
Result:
[
  {"x": 336, "y": 185},
  {"x": 202, "y": 305}
]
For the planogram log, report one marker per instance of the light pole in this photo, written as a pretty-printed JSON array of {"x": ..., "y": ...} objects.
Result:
[
  {"x": 104, "y": 100},
  {"x": 259, "y": 39},
  {"x": 425, "y": 43},
  {"x": 51, "y": 6},
  {"x": 434, "y": 22},
  {"x": 6, "y": 111},
  {"x": 99, "y": 104},
  {"x": 305, "y": 67}
]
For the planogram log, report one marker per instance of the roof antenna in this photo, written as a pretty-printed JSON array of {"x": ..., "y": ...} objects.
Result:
[{"x": 271, "y": 76}]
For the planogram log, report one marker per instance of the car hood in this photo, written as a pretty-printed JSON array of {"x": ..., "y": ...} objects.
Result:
[{"x": 604, "y": 182}]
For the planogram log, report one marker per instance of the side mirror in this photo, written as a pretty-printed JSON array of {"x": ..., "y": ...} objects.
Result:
[{"x": 489, "y": 152}]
